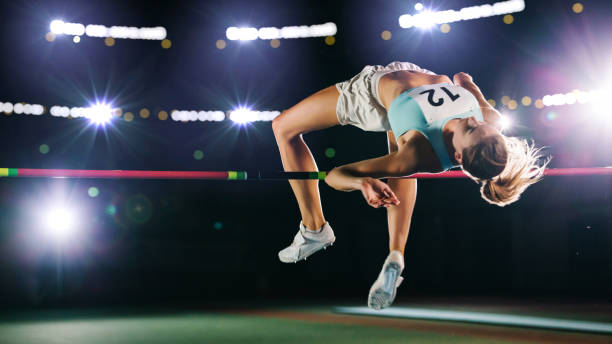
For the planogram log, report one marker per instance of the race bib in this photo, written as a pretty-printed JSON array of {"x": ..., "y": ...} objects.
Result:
[{"x": 440, "y": 101}]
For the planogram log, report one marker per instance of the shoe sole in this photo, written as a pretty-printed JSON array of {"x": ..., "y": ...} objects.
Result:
[
  {"x": 331, "y": 243},
  {"x": 384, "y": 295}
]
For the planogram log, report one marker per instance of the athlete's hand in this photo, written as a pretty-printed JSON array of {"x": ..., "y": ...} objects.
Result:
[
  {"x": 377, "y": 193},
  {"x": 461, "y": 77}
]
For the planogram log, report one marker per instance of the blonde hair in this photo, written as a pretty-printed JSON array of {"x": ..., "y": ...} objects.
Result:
[{"x": 504, "y": 166}]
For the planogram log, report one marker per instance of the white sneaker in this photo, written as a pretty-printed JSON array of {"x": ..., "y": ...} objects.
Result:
[
  {"x": 307, "y": 242},
  {"x": 384, "y": 288}
]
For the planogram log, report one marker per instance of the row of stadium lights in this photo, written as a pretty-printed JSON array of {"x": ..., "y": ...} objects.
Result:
[
  {"x": 102, "y": 113},
  {"x": 77, "y": 30},
  {"x": 423, "y": 19},
  {"x": 559, "y": 99},
  {"x": 59, "y": 27},
  {"x": 426, "y": 18},
  {"x": 445, "y": 27}
]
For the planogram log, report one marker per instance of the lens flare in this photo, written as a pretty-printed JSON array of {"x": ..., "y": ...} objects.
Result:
[
  {"x": 243, "y": 116},
  {"x": 99, "y": 113},
  {"x": 506, "y": 122},
  {"x": 60, "y": 222}
]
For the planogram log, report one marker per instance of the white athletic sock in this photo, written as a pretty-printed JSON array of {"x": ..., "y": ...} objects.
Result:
[{"x": 314, "y": 231}]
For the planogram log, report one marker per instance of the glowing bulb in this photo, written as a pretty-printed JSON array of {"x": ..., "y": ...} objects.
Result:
[
  {"x": 505, "y": 122},
  {"x": 60, "y": 223},
  {"x": 57, "y": 27},
  {"x": 243, "y": 115},
  {"x": 99, "y": 113},
  {"x": 424, "y": 20},
  {"x": 602, "y": 101}
]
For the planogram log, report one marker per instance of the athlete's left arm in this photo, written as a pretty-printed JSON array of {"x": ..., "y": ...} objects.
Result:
[
  {"x": 489, "y": 113},
  {"x": 364, "y": 175}
]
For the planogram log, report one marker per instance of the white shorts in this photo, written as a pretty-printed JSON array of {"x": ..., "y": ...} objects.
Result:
[{"x": 359, "y": 103}]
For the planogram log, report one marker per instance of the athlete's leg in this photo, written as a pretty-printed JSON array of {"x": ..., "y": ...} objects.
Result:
[
  {"x": 316, "y": 112},
  {"x": 382, "y": 293},
  {"x": 399, "y": 216}
]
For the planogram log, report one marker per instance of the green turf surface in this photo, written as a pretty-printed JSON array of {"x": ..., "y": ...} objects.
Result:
[{"x": 207, "y": 328}]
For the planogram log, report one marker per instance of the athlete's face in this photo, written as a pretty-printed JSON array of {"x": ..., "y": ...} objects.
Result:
[{"x": 469, "y": 132}]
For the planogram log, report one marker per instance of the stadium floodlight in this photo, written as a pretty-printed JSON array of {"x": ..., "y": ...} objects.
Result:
[
  {"x": 59, "y": 27},
  {"x": 269, "y": 33},
  {"x": 59, "y": 111},
  {"x": 424, "y": 20},
  {"x": 99, "y": 113},
  {"x": 505, "y": 122},
  {"x": 243, "y": 116},
  {"x": 242, "y": 33},
  {"x": 602, "y": 102},
  {"x": 7, "y": 107},
  {"x": 192, "y": 116},
  {"x": 60, "y": 223},
  {"x": 18, "y": 108}
]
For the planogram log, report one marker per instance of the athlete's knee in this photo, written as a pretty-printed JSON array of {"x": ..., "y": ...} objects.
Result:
[
  {"x": 277, "y": 124},
  {"x": 281, "y": 128}
]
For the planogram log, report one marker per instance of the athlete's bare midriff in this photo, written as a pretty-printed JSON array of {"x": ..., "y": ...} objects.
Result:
[{"x": 393, "y": 84}]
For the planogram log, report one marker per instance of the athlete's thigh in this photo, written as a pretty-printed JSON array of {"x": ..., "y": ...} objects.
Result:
[{"x": 317, "y": 111}]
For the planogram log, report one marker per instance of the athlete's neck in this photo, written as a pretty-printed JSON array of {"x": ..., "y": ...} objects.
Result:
[{"x": 447, "y": 133}]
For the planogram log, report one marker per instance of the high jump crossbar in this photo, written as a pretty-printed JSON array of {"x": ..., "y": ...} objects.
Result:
[{"x": 243, "y": 175}]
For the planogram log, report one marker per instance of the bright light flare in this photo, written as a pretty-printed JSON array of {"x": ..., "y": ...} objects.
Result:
[
  {"x": 243, "y": 116},
  {"x": 425, "y": 20},
  {"x": 60, "y": 223},
  {"x": 505, "y": 122},
  {"x": 602, "y": 102},
  {"x": 57, "y": 27},
  {"x": 99, "y": 113}
]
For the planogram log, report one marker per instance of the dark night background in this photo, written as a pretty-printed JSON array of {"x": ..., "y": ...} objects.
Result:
[{"x": 205, "y": 241}]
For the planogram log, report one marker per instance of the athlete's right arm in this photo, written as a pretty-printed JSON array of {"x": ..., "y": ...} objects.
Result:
[{"x": 489, "y": 113}]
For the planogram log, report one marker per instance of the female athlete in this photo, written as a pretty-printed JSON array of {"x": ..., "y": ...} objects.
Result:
[{"x": 433, "y": 123}]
